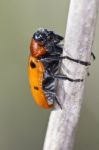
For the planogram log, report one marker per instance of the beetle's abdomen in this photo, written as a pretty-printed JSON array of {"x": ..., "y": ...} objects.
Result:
[{"x": 49, "y": 82}]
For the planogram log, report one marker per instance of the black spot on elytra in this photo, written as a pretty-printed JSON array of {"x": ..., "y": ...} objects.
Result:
[
  {"x": 36, "y": 88},
  {"x": 32, "y": 64}
]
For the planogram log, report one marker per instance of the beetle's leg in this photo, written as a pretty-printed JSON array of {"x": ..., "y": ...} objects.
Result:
[
  {"x": 93, "y": 55},
  {"x": 57, "y": 101},
  {"x": 88, "y": 73},
  {"x": 85, "y": 63},
  {"x": 52, "y": 58},
  {"x": 49, "y": 76},
  {"x": 63, "y": 77},
  {"x": 52, "y": 96}
]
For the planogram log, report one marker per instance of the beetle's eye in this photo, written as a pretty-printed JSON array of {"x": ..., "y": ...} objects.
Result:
[
  {"x": 32, "y": 64},
  {"x": 38, "y": 37}
]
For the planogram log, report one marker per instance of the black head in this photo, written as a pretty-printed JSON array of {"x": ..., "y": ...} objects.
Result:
[{"x": 44, "y": 36}]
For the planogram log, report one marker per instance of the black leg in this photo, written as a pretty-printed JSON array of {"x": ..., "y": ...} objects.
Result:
[
  {"x": 52, "y": 95},
  {"x": 88, "y": 73},
  {"x": 63, "y": 77},
  {"x": 78, "y": 61},
  {"x": 52, "y": 58},
  {"x": 93, "y": 56},
  {"x": 57, "y": 101}
]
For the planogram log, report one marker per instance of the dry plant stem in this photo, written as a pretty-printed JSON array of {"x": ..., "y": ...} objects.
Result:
[{"x": 78, "y": 43}]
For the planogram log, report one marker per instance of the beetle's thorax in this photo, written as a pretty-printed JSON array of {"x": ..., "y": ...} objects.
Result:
[{"x": 36, "y": 49}]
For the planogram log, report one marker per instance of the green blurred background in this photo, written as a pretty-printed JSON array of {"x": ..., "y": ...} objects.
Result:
[{"x": 22, "y": 123}]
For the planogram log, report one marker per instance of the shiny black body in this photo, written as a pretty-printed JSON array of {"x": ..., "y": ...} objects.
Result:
[{"x": 51, "y": 61}]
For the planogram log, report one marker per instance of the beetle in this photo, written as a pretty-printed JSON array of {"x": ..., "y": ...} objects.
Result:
[{"x": 43, "y": 67}]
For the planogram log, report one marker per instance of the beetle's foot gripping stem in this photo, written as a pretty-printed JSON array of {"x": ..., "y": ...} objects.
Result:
[
  {"x": 57, "y": 101},
  {"x": 93, "y": 55}
]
